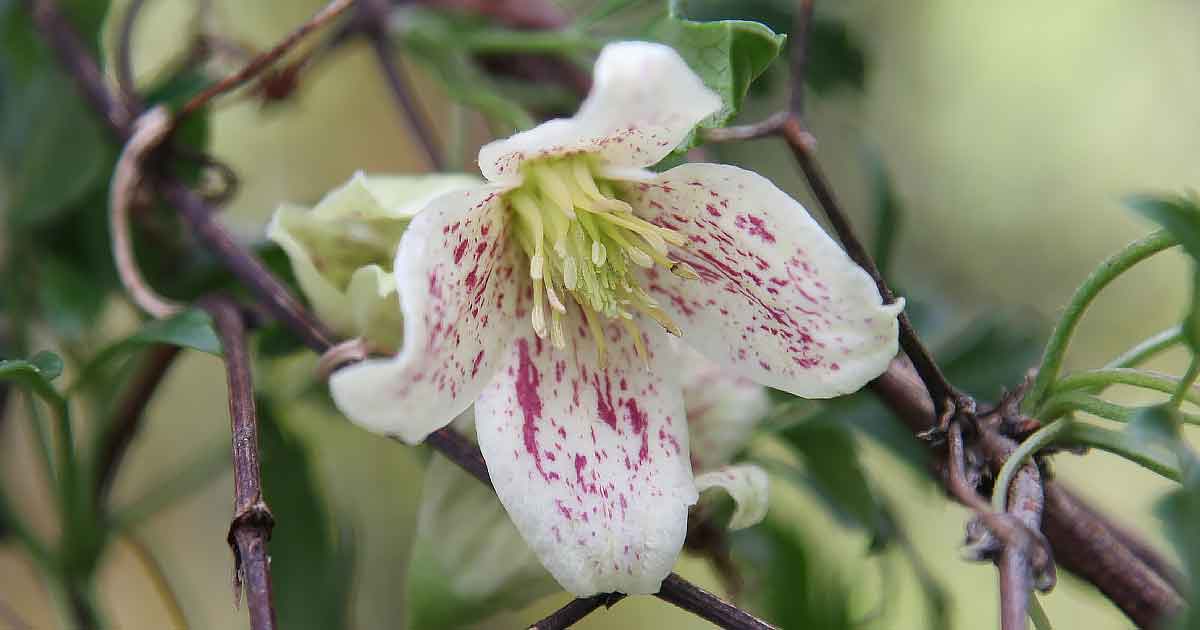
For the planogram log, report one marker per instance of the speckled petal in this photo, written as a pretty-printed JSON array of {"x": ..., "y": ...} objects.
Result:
[
  {"x": 747, "y": 484},
  {"x": 778, "y": 301},
  {"x": 722, "y": 410},
  {"x": 591, "y": 464},
  {"x": 461, "y": 299},
  {"x": 644, "y": 102}
]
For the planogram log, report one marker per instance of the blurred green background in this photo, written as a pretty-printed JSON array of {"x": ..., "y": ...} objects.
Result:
[{"x": 1011, "y": 132}]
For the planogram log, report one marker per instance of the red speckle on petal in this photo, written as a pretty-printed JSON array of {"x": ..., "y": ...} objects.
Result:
[
  {"x": 754, "y": 226},
  {"x": 530, "y": 402}
]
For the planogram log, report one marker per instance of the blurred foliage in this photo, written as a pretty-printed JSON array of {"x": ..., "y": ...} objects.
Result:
[
  {"x": 312, "y": 560},
  {"x": 793, "y": 585}
]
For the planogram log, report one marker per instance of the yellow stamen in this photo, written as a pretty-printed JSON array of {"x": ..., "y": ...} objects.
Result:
[{"x": 585, "y": 242}]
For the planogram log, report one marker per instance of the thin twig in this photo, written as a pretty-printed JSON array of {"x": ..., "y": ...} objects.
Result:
[
  {"x": 798, "y": 40},
  {"x": 262, "y": 61},
  {"x": 940, "y": 390},
  {"x": 373, "y": 17},
  {"x": 125, "y": 80},
  {"x": 127, "y": 416},
  {"x": 766, "y": 127},
  {"x": 248, "y": 269},
  {"x": 251, "y": 526},
  {"x": 790, "y": 127},
  {"x": 703, "y": 604},
  {"x": 66, "y": 43},
  {"x": 575, "y": 610}
]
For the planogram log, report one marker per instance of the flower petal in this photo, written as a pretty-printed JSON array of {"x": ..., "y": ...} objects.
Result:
[
  {"x": 644, "y": 102},
  {"x": 468, "y": 560},
  {"x": 354, "y": 227},
  {"x": 722, "y": 410},
  {"x": 778, "y": 301},
  {"x": 591, "y": 464},
  {"x": 374, "y": 307},
  {"x": 747, "y": 484},
  {"x": 460, "y": 295}
]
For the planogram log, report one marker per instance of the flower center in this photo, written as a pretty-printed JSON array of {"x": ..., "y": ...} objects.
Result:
[{"x": 583, "y": 242}]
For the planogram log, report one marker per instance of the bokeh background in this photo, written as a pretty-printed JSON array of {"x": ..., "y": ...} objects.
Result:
[{"x": 1011, "y": 132}]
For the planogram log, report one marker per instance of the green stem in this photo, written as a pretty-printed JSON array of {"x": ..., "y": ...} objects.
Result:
[
  {"x": 1039, "y": 440},
  {"x": 1118, "y": 443},
  {"x": 1060, "y": 338},
  {"x": 1148, "y": 348},
  {"x": 1095, "y": 381},
  {"x": 1183, "y": 390},
  {"x": 1037, "y": 615},
  {"x": 1068, "y": 402},
  {"x": 37, "y": 423}
]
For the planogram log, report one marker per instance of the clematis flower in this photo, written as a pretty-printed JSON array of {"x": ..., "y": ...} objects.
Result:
[
  {"x": 342, "y": 249},
  {"x": 547, "y": 296},
  {"x": 469, "y": 561}
]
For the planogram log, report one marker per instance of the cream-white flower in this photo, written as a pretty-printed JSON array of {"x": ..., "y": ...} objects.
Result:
[
  {"x": 469, "y": 561},
  {"x": 342, "y": 249},
  {"x": 546, "y": 297}
]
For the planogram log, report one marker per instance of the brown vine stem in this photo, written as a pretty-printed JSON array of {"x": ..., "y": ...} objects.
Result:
[
  {"x": 1081, "y": 538},
  {"x": 801, "y": 26},
  {"x": 252, "y": 521},
  {"x": 675, "y": 590},
  {"x": 262, "y": 61},
  {"x": 700, "y": 602},
  {"x": 575, "y": 610},
  {"x": 789, "y": 126}
]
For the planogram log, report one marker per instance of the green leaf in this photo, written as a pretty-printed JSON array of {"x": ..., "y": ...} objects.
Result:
[
  {"x": 796, "y": 588},
  {"x": 995, "y": 351},
  {"x": 1181, "y": 217},
  {"x": 1180, "y": 512},
  {"x": 52, "y": 151},
  {"x": 1156, "y": 425},
  {"x": 36, "y": 374},
  {"x": 835, "y": 58},
  {"x": 887, "y": 209},
  {"x": 70, "y": 299},
  {"x": 430, "y": 38},
  {"x": 1191, "y": 322},
  {"x": 311, "y": 561},
  {"x": 188, "y": 329},
  {"x": 1178, "y": 215},
  {"x": 830, "y": 455},
  {"x": 727, "y": 54},
  {"x": 468, "y": 561}
]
